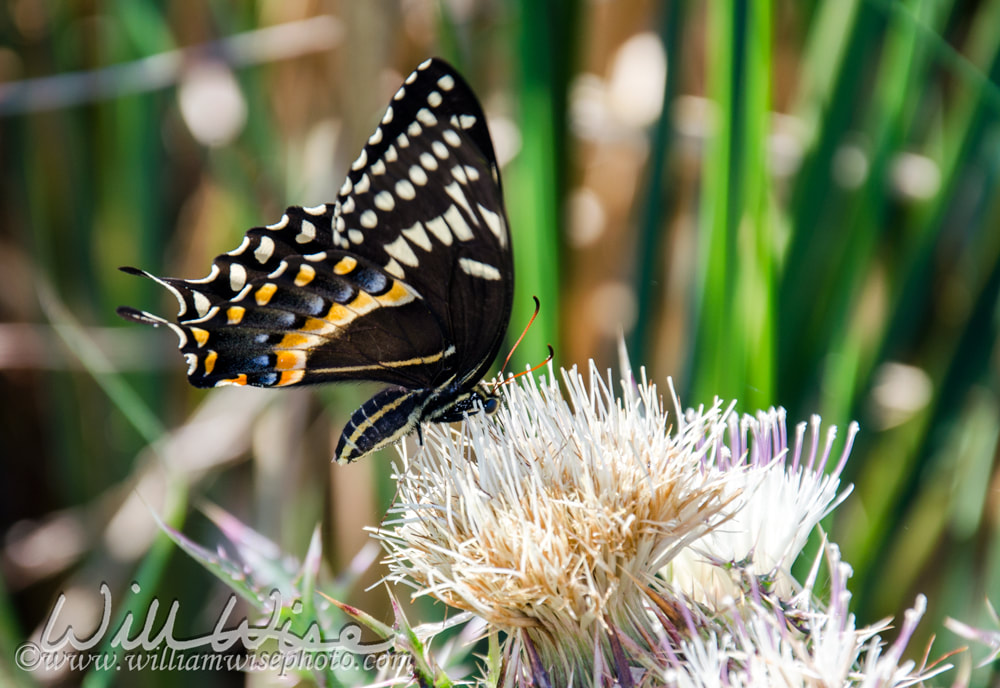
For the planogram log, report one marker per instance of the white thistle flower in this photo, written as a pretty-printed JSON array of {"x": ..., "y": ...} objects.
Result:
[
  {"x": 606, "y": 545},
  {"x": 777, "y": 502}
]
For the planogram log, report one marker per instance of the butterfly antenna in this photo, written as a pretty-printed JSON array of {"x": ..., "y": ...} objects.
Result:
[
  {"x": 534, "y": 315},
  {"x": 525, "y": 372},
  {"x": 497, "y": 385}
]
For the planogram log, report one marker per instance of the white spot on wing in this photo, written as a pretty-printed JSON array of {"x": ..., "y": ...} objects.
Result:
[
  {"x": 447, "y": 82},
  {"x": 452, "y": 138},
  {"x": 403, "y": 141},
  {"x": 401, "y": 251},
  {"x": 348, "y": 205},
  {"x": 376, "y": 137},
  {"x": 405, "y": 190},
  {"x": 181, "y": 334},
  {"x": 361, "y": 160},
  {"x": 378, "y": 167},
  {"x": 461, "y": 229},
  {"x": 418, "y": 236},
  {"x": 346, "y": 187},
  {"x": 424, "y": 65},
  {"x": 426, "y": 117},
  {"x": 459, "y": 174},
  {"x": 434, "y": 98},
  {"x": 316, "y": 209},
  {"x": 307, "y": 232},
  {"x": 243, "y": 292},
  {"x": 414, "y": 129},
  {"x": 237, "y": 276},
  {"x": 212, "y": 274},
  {"x": 395, "y": 269},
  {"x": 400, "y": 94},
  {"x": 440, "y": 149},
  {"x": 478, "y": 269},
  {"x": 417, "y": 175},
  {"x": 363, "y": 184},
  {"x": 455, "y": 191},
  {"x": 368, "y": 219},
  {"x": 387, "y": 117},
  {"x": 428, "y": 161},
  {"x": 181, "y": 304},
  {"x": 495, "y": 222},
  {"x": 439, "y": 228},
  {"x": 201, "y": 302},
  {"x": 209, "y": 314},
  {"x": 241, "y": 248},
  {"x": 264, "y": 250},
  {"x": 390, "y": 154},
  {"x": 467, "y": 121},
  {"x": 411, "y": 78},
  {"x": 383, "y": 201},
  {"x": 355, "y": 235},
  {"x": 280, "y": 224}
]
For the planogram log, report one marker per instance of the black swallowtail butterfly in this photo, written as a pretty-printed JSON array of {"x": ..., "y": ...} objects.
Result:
[{"x": 407, "y": 278}]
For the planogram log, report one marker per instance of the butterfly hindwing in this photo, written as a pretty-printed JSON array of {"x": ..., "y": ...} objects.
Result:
[{"x": 324, "y": 317}]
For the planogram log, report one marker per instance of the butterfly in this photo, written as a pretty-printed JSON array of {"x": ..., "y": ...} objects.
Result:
[{"x": 407, "y": 278}]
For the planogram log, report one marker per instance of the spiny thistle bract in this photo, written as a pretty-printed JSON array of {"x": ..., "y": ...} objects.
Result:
[{"x": 606, "y": 540}]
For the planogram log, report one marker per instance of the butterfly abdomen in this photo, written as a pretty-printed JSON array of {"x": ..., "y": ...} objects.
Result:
[{"x": 388, "y": 416}]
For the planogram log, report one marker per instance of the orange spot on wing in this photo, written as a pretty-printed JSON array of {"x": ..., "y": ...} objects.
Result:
[
  {"x": 290, "y": 377},
  {"x": 235, "y": 314},
  {"x": 398, "y": 295},
  {"x": 345, "y": 265},
  {"x": 296, "y": 340},
  {"x": 200, "y": 336},
  {"x": 363, "y": 302},
  {"x": 339, "y": 315},
  {"x": 210, "y": 361},
  {"x": 306, "y": 275},
  {"x": 310, "y": 325},
  {"x": 265, "y": 293},
  {"x": 240, "y": 381},
  {"x": 287, "y": 360}
]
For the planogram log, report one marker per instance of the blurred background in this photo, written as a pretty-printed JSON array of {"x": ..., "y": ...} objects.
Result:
[{"x": 781, "y": 202}]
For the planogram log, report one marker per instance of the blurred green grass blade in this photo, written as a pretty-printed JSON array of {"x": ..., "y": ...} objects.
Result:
[
  {"x": 817, "y": 228},
  {"x": 652, "y": 222},
  {"x": 822, "y": 60},
  {"x": 732, "y": 354},
  {"x": 966, "y": 153},
  {"x": 118, "y": 391},
  {"x": 970, "y": 364},
  {"x": 757, "y": 229},
  {"x": 903, "y": 66},
  {"x": 716, "y": 253},
  {"x": 536, "y": 181}
]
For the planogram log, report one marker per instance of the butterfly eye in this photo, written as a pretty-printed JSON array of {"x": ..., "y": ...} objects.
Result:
[{"x": 490, "y": 405}]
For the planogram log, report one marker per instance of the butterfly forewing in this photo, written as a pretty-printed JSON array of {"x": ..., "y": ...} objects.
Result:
[
  {"x": 407, "y": 278},
  {"x": 424, "y": 200}
]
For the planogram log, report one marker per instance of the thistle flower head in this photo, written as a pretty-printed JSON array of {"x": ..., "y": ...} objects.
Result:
[{"x": 607, "y": 540}]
